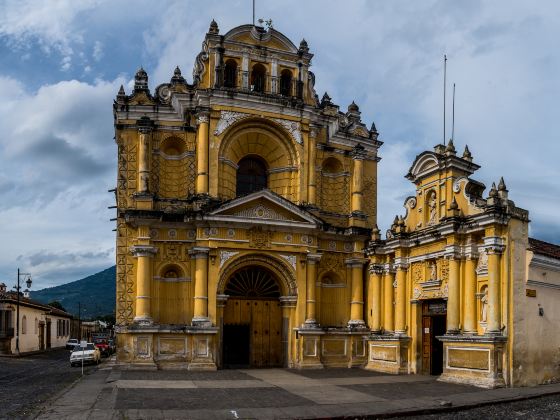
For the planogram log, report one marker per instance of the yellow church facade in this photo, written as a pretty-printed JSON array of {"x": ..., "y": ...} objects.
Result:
[{"x": 247, "y": 235}]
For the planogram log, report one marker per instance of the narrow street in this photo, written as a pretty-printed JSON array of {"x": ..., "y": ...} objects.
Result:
[{"x": 27, "y": 382}]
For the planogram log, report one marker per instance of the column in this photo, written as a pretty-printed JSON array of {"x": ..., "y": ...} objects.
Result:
[
  {"x": 453, "y": 292},
  {"x": 469, "y": 325},
  {"x": 376, "y": 272},
  {"x": 144, "y": 254},
  {"x": 389, "y": 296},
  {"x": 202, "y": 154},
  {"x": 200, "y": 255},
  {"x": 400, "y": 306},
  {"x": 312, "y": 183},
  {"x": 311, "y": 280},
  {"x": 358, "y": 156},
  {"x": 144, "y": 130},
  {"x": 494, "y": 325},
  {"x": 357, "y": 303}
]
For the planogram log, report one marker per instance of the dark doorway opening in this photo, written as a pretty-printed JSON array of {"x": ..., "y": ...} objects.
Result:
[
  {"x": 237, "y": 340},
  {"x": 252, "y": 335},
  {"x": 434, "y": 321}
]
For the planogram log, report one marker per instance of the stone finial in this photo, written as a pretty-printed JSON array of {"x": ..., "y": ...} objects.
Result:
[
  {"x": 401, "y": 221},
  {"x": 353, "y": 108},
  {"x": 467, "y": 154},
  {"x": 502, "y": 189},
  {"x": 141, "y": 80},
  {"x": 326, "y": 100},
  {"x": 450, "y": 149},
  {"x": 121, "y": 96},
  {"x": 375, "y": 233},
  {"x": 2, "y": 288},
  {"x": 177, "y": 77},
  {"x": 213, "y": 29},
  {"x": 493, "y": 191},
  {"x": 453, "y": 205},
  {"x": 502, "y": 185},
  {"x": 373, "y": 128},
  {"x": 303, "y": 47}
]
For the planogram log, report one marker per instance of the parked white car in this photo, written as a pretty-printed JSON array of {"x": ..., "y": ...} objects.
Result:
[
  {"x": 70, "y": 344},
  {"x": 90, "y": 354}
]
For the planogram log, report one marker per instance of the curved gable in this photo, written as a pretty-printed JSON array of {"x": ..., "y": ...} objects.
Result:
[{"x": 271, "y": 38}]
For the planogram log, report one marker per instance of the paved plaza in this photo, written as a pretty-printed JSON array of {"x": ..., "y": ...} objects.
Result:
[{"x": 111, "y": 393}]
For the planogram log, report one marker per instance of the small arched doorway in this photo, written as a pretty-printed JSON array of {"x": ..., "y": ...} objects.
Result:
[{"x": 252, "y": 334}]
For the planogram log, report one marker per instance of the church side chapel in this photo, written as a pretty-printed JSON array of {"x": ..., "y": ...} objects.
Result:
[{"x": 247, "y": 234}]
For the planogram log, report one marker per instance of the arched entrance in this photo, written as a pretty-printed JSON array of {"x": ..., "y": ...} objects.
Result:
[{"x": 252, "y": 335}]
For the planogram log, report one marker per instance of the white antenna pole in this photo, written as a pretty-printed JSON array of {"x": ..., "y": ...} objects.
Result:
[
  {"x": 253, "y": 12},
  {"x": 453, "y": 120},
  {"x": 444, "y": 85}
]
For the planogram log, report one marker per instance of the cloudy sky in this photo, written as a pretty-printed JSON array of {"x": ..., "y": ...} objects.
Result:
[{"x": 63, "y": 61}]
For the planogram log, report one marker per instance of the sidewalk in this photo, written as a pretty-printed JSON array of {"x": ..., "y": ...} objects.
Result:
[{"x": 111, "y": 393}]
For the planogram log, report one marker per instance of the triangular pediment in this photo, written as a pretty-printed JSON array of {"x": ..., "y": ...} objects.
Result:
[{"x": 264, "y": 206}]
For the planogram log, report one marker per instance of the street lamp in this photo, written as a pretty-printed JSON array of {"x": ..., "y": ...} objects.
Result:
[{"x": 28, "y": 282}]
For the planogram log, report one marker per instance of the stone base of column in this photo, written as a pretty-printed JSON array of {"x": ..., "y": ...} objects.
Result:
[
  {"x": 388, "y": 354},
  {"x": 145, "y": 321},
  {"x": 201, "y": 322},
  {"x": 310, "y": 324},
  {"x": 357, "y": 324},
  {"x": 474, "y": 360},
  {"x": 203, "y": 355},
  {"x": 309, "y": 349},
  {"x": 357, "y": 219}
]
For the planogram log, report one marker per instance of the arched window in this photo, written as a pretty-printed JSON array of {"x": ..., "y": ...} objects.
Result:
[
  {"x": 286, "y": 83},
  {"x": 230, "y": 73},
  {"x": 24, "y": 325},
  {"x": 258, "y": 78},
  {"x": 251, "y": 175}
]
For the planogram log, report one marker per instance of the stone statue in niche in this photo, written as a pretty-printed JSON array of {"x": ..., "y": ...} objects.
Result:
[
  {"x": 432, "y": 204},
  {"x": 484, "y": 305},
  {"x": 433, "y": 271}
]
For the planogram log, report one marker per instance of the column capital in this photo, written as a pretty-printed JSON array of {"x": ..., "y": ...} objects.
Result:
[
  {"x": 145, "y": 125},
  {"x": 376, "y": 268},
  {"x": 288, "y": 301},
  {"x": 199, "y": 252},
  {"x": 203, "y": 117},
  {"x": 452, "y": 252},
  {"x": 143, "y": 250},
  {"x": 389, "y": 268},
  {"x": 358, "y": 152},
  {"x": 471, "y": 251},
  {"x": 355, "y": 262},
  {"x": 494, "y": 245},
  {"x": 401, "y": 263}
]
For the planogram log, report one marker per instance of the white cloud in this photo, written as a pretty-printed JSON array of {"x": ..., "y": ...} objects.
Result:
[{"x": 57, "y": 155}]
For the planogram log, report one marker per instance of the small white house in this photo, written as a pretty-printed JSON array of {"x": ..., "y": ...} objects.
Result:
[{"x": 41, "y": 327}]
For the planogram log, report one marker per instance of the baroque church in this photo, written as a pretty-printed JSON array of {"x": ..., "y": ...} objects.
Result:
[{"x": 247, "y": 235}]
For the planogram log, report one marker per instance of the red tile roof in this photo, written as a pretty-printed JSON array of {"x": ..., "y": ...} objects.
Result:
[{"x": 544, "y": 248}]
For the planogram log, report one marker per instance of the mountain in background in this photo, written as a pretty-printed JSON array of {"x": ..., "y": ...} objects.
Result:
[{"x": 95, "y": 293}]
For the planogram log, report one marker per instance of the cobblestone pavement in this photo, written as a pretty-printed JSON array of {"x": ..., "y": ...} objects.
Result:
[
  {"x": 531, "y": 409},
  {"x": 112, "y": 393},
  {"x": 26, "y": 382}
]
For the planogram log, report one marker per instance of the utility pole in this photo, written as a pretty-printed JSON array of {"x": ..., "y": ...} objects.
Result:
[{"x": 18, "y": 288}]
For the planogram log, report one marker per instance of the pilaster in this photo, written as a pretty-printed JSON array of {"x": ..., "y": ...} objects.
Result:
[{"x": 144, "y": 254}]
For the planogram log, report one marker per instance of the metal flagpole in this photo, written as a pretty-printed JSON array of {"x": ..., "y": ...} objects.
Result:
[
  {"x": 444, "y": 84},
  {"x": 253, "y": 12},
  {"x": 453, "y": 118}
]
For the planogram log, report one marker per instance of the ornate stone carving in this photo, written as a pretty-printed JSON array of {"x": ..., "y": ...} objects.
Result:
[
  {"x": 417, "y": 272},
  {"x": 291, "y": 259},
  {"x": 331, "y": 262},
  {"x": 292, "y": 127},
  {"x": 432, "y": 208},
  {"x": 226, "y": 255},
  {"x": 261, "y": 212},
  {"x": 259, "y": 238},
  {"x": 482, "y": 266},
  {"x": 228, "y": 118},
  {"x": 417, "y": 293}
]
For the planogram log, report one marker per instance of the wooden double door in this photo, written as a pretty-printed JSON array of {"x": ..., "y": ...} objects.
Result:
[
  {"x": 252, "y": 335},
  {"x": 434, "y": 321}
]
